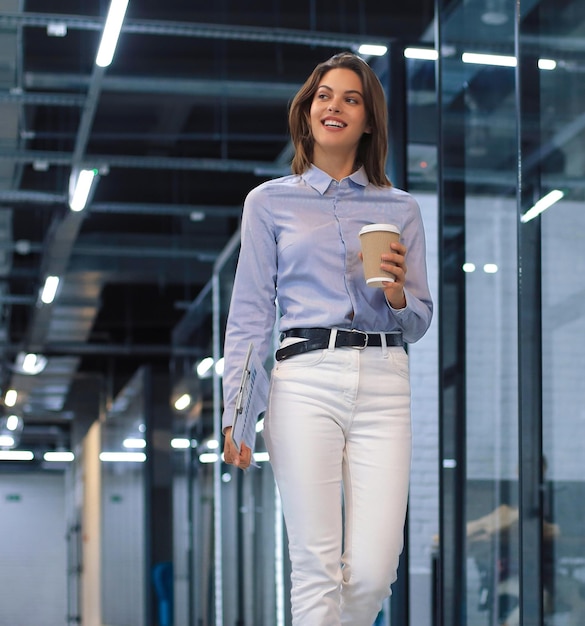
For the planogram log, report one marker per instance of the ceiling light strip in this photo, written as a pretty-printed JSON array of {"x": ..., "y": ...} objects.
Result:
[
  {"x": 50, "y": 289},
  {"x": 16, "y": 455},
  {"x": 499, "y": 60},
  {"x": 82, "y": 189},
  {"x": 542, "y": 205},
  {"x": 423, "y": 54},
  {"x": 111, "y": 32}
]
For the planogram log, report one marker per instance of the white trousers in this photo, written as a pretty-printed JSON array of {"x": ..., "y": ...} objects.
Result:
[{"x": 338, "y": 433}]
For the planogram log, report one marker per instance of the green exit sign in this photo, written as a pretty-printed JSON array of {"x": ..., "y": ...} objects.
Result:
[{"x": 13, "y": 497}]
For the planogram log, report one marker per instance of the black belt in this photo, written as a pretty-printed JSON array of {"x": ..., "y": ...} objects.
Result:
[{"x": 318, "y": 339}]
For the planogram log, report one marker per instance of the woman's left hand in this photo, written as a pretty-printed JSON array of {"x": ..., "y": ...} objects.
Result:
[{"x": 395, "y": 263}]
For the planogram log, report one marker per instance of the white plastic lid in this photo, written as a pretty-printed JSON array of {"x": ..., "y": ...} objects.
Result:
[{"x": 375, "y": 227}]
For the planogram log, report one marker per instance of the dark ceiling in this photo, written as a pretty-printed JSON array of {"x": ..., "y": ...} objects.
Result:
[{"x": 189, "y": 117}]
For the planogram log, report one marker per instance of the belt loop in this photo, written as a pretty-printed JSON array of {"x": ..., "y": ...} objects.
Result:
[
  {"x": 332, "y": 338},
  {"x": 384, "y": 345}
]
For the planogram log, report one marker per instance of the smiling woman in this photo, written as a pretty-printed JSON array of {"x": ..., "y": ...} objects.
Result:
[
  {"x": 338, "y": 121},
  {"x": 365, "y": 92},
  {"x": 340, "y": 389}
]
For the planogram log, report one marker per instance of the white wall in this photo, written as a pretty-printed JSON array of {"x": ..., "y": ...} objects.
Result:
[
  {"x": 563, "y": 321},
  {"x": 123, "y": 574},
  {"x": 33, "y": 579},
  {"x": 492, "y": 336},
  {"x": 491, "y": 339}
]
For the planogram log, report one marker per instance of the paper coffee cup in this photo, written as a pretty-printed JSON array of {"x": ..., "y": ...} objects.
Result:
[{"x": 375, "y": 240}]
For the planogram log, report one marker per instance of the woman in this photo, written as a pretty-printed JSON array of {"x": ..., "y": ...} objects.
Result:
[{"x": 337, "y": 427}]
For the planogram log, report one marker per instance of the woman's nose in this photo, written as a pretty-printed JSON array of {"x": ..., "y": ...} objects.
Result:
[{"x": 333, "y": 106}]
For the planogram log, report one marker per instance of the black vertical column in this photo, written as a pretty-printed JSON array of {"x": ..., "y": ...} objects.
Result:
[
  {"x": 529, "y": 333},
  {"x": 450, "y": 584},
  {"x": 158, "y": 496},
  {"x": 397, "y": 116},
  {"x": 394, "y": 81}
]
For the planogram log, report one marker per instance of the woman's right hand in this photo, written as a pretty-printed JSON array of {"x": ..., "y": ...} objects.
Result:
[{"x": 231, "y": 455}]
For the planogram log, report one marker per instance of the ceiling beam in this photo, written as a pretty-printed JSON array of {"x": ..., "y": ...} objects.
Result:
[
  {"x": 194, "y": 30},
  {"x": 197, "y": 87}
]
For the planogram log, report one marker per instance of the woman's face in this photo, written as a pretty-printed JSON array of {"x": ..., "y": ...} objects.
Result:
[{"x": 338, "y": 114}]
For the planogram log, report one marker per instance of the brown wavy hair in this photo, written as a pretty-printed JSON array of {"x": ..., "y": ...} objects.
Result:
[{"x": 373, "y": 147}]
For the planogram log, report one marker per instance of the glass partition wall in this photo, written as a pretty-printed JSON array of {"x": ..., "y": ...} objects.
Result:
[
  {"x": 478, "y": 318},
  {"x": 512, "y": 317},
  {"x": 556, "y": 34},
  {"x": 507, "y": 130}
]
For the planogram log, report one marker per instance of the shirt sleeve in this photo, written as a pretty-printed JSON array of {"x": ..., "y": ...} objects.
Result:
[
  {"x": 415, "y": 318},
  {"x": 252, "y": 311}
]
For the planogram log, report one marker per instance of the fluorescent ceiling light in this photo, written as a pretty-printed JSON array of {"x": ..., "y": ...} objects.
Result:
[
  {"x": 183, "y": 402},
  {"x": 10, "y": 397},
  {"x": 425, "y": 54},
  {"x": 490, "y": 268},
  {"x": 12, "y": 422},
  {"x": 180, "y": 443},
  {"x": 134, "y": 442},
  {"x": 219, "y": 367},
  {"x": 542, "y": 205},
  {"x": 489, "y": 59},
  {"x": 50, "y": 289},
  {"x": 122, "y": 457},
  {"x": 111, "y": 32},
  {"x": 468, "y": 267},
  {"x": 204, "y": 367},
  {"x": 547, "y": 64},
  {"x": 16, "y": 455},
  {"x": 30, "y": 363},
  {"x": 82, "y": 189},
  {"x": 208, "y": 457},
  {"x": 59, "y": 457},
  {"x": 372, "y": 49},
  {"x": 6, "y": 441}
]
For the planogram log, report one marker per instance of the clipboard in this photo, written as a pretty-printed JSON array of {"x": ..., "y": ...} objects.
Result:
[
  {"x": 251, "y": 400},
  {"x": 243, "y": 390}
]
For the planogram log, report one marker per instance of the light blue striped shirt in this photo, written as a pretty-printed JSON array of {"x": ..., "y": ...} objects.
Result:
[{"x": 300, "y": 241}]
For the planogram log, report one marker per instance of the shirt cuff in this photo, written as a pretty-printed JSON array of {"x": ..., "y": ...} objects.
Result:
[{"x": 397, "y": 311}]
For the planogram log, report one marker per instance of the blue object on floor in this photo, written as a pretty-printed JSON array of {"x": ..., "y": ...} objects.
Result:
[{"x": 162, "y": 577}]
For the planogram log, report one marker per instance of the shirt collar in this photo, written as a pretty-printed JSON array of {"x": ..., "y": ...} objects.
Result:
[{"x": 320, "y": 180}]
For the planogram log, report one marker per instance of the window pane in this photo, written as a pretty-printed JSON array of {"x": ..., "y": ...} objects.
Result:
[{"x": 562, "y": 124}]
